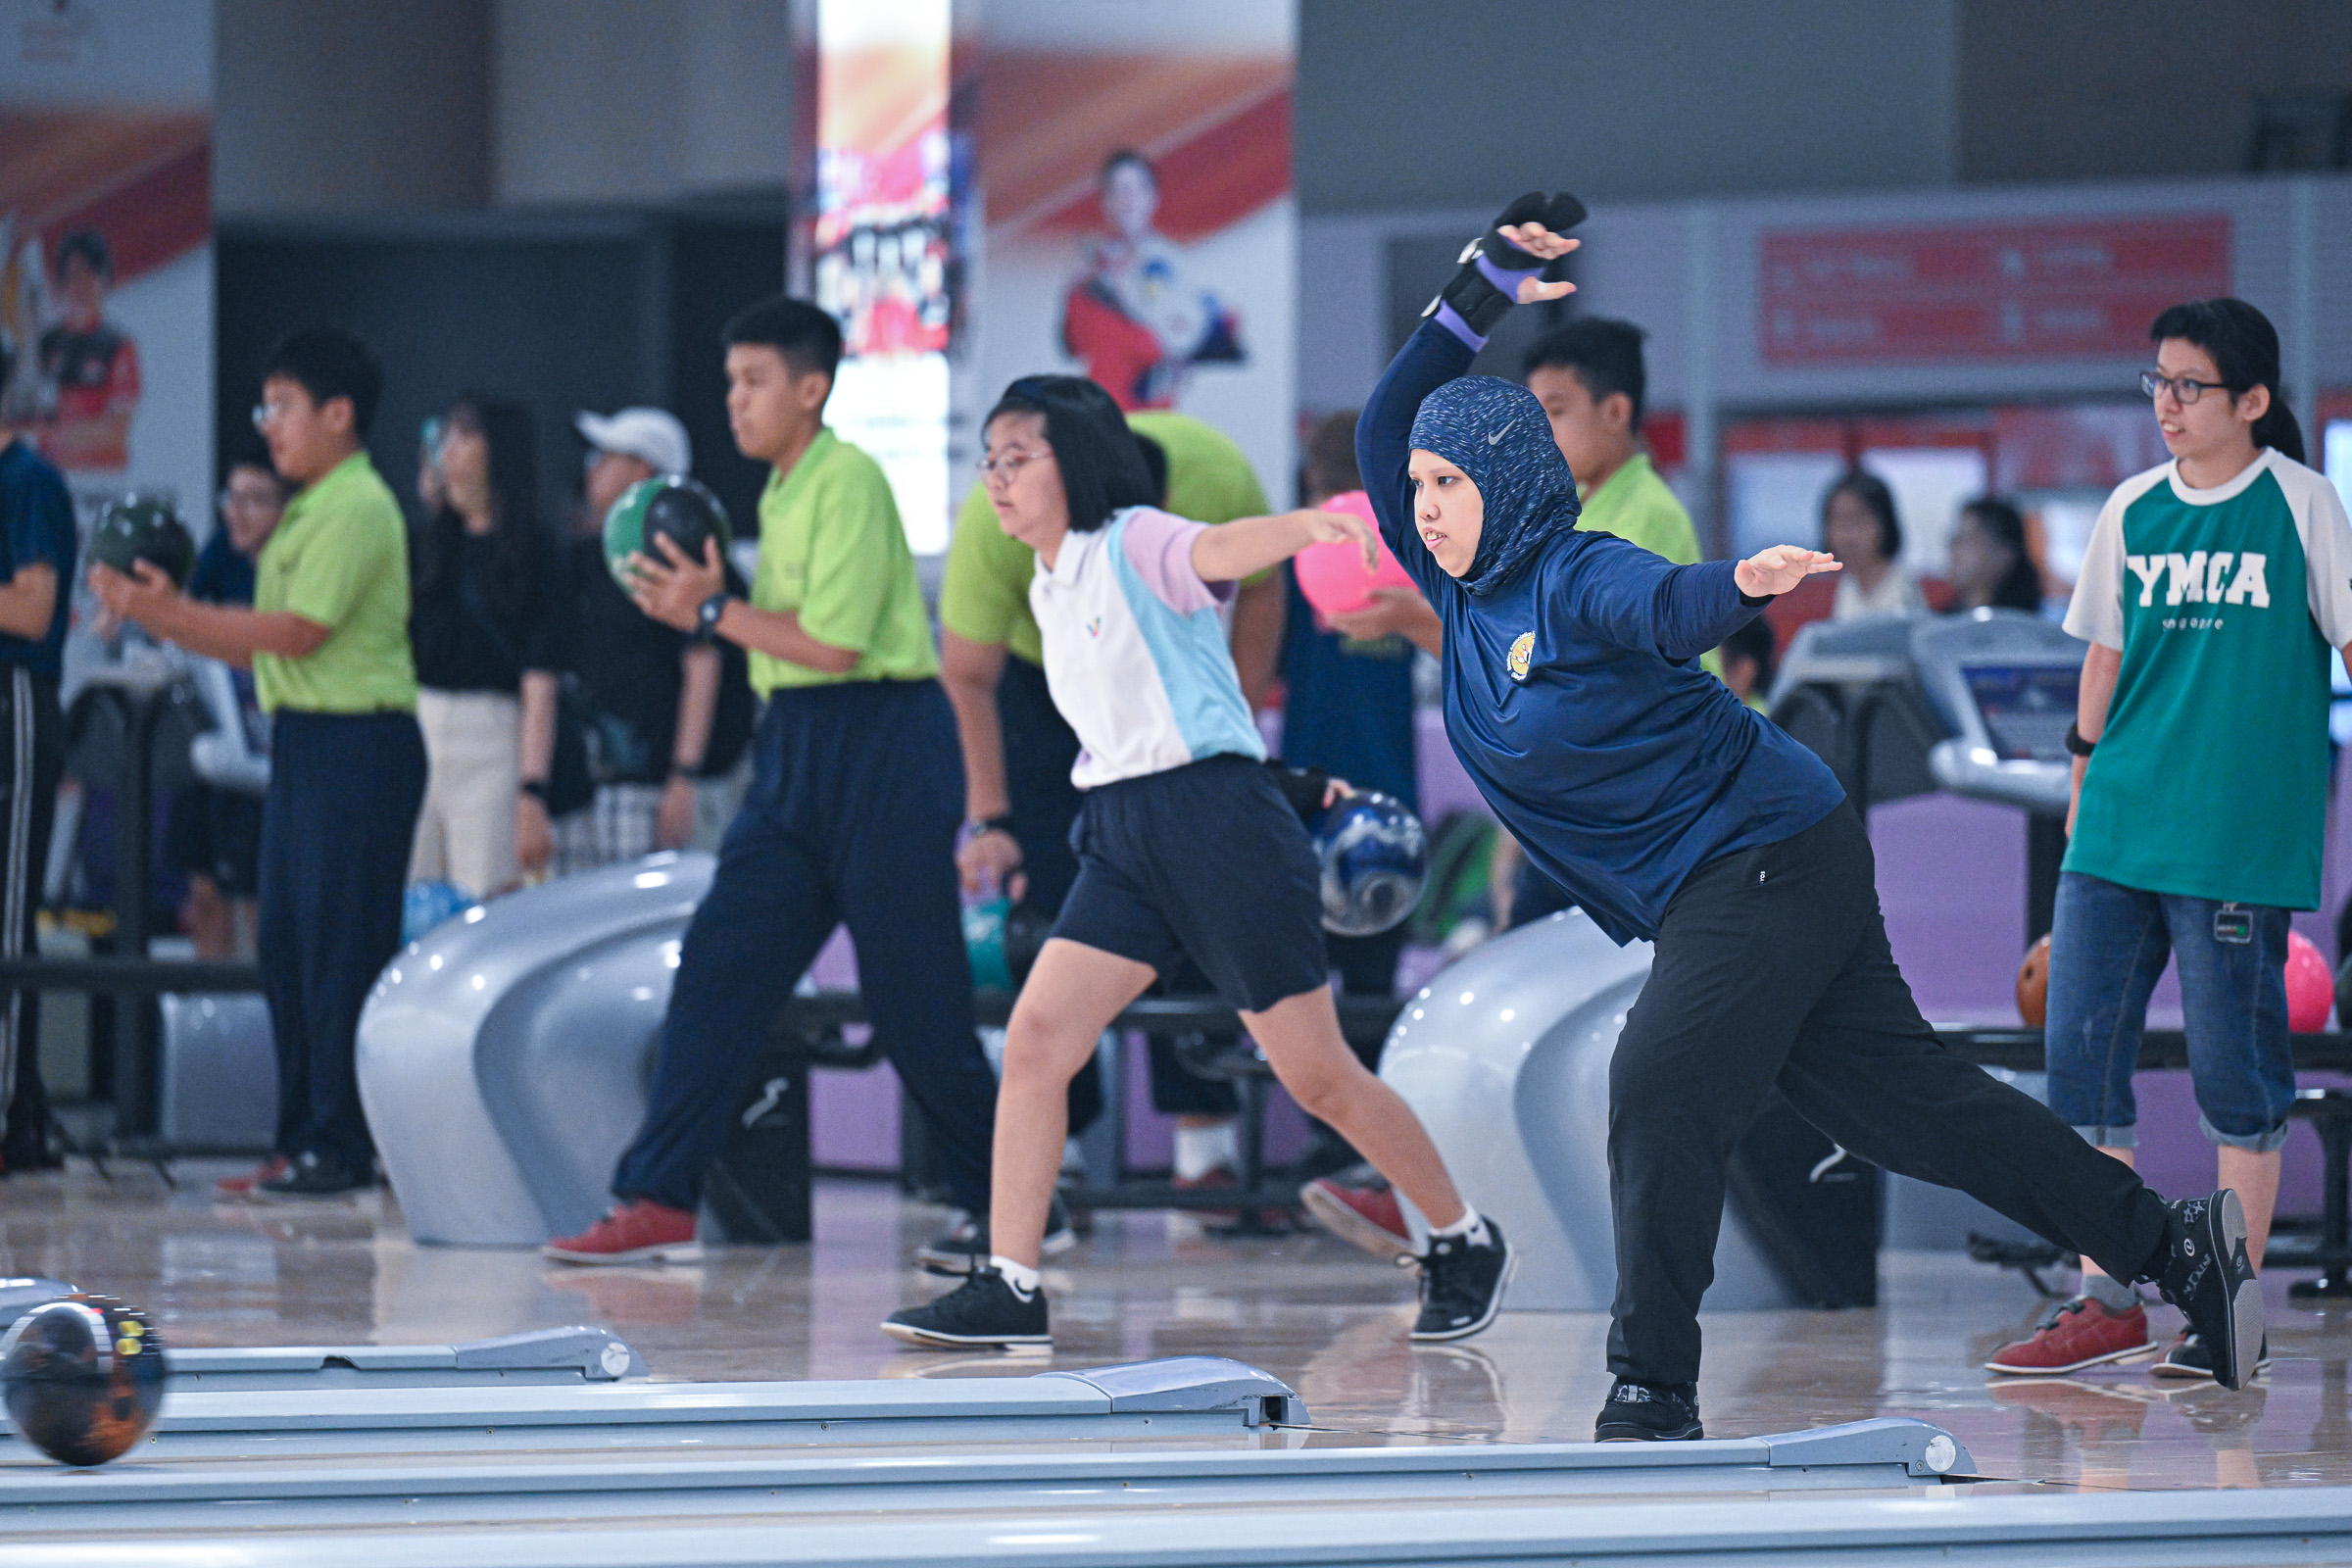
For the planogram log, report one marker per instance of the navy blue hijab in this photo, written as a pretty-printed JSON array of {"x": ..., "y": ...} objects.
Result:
[{"x": 1495, "y": 431}]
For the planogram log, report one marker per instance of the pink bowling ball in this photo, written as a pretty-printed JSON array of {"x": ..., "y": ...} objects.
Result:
[
  {"x": 1333, "y": 576},
  {"x": 2310, "y": 987}
]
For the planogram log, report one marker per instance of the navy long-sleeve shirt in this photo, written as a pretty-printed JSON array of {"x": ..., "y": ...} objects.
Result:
[{"x": 1575, "y": 699}]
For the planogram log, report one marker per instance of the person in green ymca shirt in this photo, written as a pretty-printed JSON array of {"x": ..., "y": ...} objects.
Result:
[{"x": 2214, "y": 593}]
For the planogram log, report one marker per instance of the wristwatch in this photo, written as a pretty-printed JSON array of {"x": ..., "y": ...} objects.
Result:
[
  {"x": 706, "y": 616},
  {"x": 2076, "y": 744},
  {"x": 1000, "y": 823}
]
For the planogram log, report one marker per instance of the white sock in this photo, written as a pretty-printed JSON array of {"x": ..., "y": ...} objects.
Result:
[
  {"x": 1201, "y": 1150},
  {"x": 1470, "y": 1227},
  {"x": 1020, "y": 1276}
]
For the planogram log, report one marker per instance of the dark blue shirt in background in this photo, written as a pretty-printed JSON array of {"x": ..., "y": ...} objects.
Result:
[
  {"x": 1618, "y": 763},
  {"x": 221, "y": 575},
  {"x": 36, "y": 527},
  {"x": 1348, "y": 706}
]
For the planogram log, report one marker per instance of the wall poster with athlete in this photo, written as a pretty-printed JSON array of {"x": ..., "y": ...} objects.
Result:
[
  {"x": 106, "y": 280},
  {"x": 1139, "y": 226}
]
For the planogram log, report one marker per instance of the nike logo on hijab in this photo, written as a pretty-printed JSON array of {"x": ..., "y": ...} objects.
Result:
[{"x": 1494, "y": 431}]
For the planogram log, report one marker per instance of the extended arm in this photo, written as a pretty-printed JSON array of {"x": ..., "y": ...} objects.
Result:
[
  {"x": 1236, "y": 550},
  {"x": 29, "y": 601},
  {"x": 225, "y": 632},
  {"x": 1640, "y": 600}
]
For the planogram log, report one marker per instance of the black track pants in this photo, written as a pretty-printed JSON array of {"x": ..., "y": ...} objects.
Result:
[{"x": 1772, "y": 970}]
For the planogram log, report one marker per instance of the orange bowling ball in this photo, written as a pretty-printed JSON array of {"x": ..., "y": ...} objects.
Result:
[{"x": 2034, "y": 983}]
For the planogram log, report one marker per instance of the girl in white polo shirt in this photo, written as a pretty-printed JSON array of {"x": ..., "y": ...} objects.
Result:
[{"x": 1185, "y": 848}]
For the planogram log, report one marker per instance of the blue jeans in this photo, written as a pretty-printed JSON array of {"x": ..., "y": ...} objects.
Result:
[{"x": 2107, "y": 949}]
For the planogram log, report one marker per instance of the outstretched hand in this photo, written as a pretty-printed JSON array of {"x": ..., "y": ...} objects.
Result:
[
  {"x": 1780, "y": 568},
  {"x": 1341, "y": 527},
  {"x": 1537, "y": 240}
]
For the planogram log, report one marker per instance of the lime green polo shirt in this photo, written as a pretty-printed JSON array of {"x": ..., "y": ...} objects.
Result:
[
  {"x": 1635, "y": 506},
  {"x": 340, "y": 557},
  {"x": 832, "y": 552},
  {"x": 985, "y": 597}
]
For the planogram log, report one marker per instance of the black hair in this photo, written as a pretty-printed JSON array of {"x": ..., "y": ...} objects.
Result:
[
  {"x": 2245, "y": 351},
  {"x": 1128, "y": 155},
  {"x": 1103, "y": 469},
  {"x": 328, "y": 363},
  {"x": 1871, "y": 490},
  {"x": 1156, "y": 463},
  {"x": 252, "y": 451},
  {"x": 1330, "y": 467},
  {"x": 1604, "y": 353},
  {"x": 1754, "y": 641},
  {"x": 515, "y": 557},
  {"x": 2020, "y": 587},
  {"x": 806, "y": 336},
  {"x": 92, "y": 248}
]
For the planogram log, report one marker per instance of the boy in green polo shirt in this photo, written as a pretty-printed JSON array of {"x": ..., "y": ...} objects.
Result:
[
  {"x": 851, "y": 814},
  {"x": 328, "y": 641}
]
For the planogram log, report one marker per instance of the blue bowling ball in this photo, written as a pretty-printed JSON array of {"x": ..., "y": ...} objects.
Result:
[
  {"x": 1375, "y": 857},
  {"x": 427, "y": 904}
]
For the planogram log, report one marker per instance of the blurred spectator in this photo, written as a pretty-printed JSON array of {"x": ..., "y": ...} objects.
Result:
[
  {"x": 1591, "y": 380},
  {"x": 1748, "y": 664},
  {"x": 659, "y": 712},
  {"x": 1991, "y": 564},
  {"x": 486, "y": 575},
  {"x": 214, "y": 835},
  {"x": 1858, "y": 526},
  {"x": 36, "y": 558}
]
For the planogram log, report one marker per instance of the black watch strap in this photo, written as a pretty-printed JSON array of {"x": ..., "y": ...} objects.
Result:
[
  {"x": 707, "y": 614},
  {"x": 1001, "y": 822},
  {"x": 2076, "y": 744},
  {"x": 536, "y": 789}
]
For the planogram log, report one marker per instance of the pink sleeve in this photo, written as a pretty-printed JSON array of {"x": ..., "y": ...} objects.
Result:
[{"x": 1160, "y": 547}]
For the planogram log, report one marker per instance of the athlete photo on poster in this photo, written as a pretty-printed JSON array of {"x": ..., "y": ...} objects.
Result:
[{"x": 1138, "y": 318}]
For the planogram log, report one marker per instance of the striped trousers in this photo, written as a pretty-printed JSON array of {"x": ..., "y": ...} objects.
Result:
[{"x": 32, "y": 737}]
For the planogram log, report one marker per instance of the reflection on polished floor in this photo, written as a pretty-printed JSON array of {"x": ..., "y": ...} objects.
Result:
[{"x": 1304, "y": 1307}]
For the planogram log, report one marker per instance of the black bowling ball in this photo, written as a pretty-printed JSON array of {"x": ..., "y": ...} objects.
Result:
[{"x": 82, "y": 1378}]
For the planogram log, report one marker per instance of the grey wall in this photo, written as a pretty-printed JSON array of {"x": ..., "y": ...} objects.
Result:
[
  {"x": 2119, "y": 89},
  {"x": 342, "y": 106},
  {"x": 1415, "y": 104}
]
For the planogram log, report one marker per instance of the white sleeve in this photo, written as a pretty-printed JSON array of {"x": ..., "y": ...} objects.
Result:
[
  {"x": 2327, "y": 553},
  {"x": 2096, "y": 613}
]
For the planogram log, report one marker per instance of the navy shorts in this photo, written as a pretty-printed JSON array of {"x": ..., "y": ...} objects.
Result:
[{"x": 1205, "y": 861}]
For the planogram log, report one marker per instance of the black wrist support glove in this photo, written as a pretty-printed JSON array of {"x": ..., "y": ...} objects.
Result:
[
  {"x": 1493, "y": 268},
  {"x": 1303, "y": 787}
]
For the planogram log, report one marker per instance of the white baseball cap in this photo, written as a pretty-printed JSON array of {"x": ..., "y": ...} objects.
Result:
[{"x": 651, "y": 434}]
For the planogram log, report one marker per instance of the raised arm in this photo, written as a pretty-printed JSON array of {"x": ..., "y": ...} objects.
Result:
[
  {"x": 1235, "y": 550},
  {"x": 1505, "y": 266}
]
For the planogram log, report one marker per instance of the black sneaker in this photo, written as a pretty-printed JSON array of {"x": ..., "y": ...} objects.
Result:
[
  {"x": 2204, "y": 1272},
  {"x": 1462, "y": 1285},
  {"x": 1650, "y": 1413},
  {"x": 2191, "y": 1358},
  {"x": 965, "y": 1247},
  {"x": 985, "y": 1309},
  {"x": 313, "y": 1176}
]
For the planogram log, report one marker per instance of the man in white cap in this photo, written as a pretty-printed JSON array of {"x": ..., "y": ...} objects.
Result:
[{"x": 658, "y": 715}]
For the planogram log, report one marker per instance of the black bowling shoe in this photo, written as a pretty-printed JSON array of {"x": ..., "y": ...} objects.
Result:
[
  {"x": 965, "y": 1247},
  {"x": 985, "y": 1309},
  {"x": 2203, "y": 1271},
  {"x": 1650, "y": 1413},
  {"x": 1461, "y": 1284}
]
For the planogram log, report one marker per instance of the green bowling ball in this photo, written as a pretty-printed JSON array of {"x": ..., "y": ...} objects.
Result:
[
  {"x": 139, "y": 528},
  {"x": 668, "y": 504}
]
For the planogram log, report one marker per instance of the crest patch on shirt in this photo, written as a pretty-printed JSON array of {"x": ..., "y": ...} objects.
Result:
[{"x": 1521, "y": 652}]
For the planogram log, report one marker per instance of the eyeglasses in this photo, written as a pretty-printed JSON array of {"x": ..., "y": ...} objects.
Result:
[
  {"x": 1008, "y": 466},
  {"x": 266, "y": 414},
  {"x": 236, "y": 500},
  {"x": 2185, "y": 388}
]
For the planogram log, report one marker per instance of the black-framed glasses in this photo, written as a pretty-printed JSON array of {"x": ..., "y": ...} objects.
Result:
[{"x": 2188, "y": 389}]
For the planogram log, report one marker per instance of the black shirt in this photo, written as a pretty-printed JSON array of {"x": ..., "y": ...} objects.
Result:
[{"x": 476, "y": 624}]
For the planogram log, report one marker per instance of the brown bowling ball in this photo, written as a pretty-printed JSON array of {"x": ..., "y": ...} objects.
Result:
[
  {"x": 82, "y": 1378},
  {"x": 2034, "y": 983}
]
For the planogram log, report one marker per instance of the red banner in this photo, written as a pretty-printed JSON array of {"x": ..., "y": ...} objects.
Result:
[{"x": 1987, "y": 291}]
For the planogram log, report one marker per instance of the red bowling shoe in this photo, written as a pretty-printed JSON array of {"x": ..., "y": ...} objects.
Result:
[
  {"x": 639, "y": 1231},
  {"x": 2076, "y": 1333},
  {"x": 1368, "y": 1216}
]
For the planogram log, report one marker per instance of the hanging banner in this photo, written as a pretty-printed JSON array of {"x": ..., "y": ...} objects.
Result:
[
  {"x": 106, "y": 268},
  {"x": 1139, "y": 226}
]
